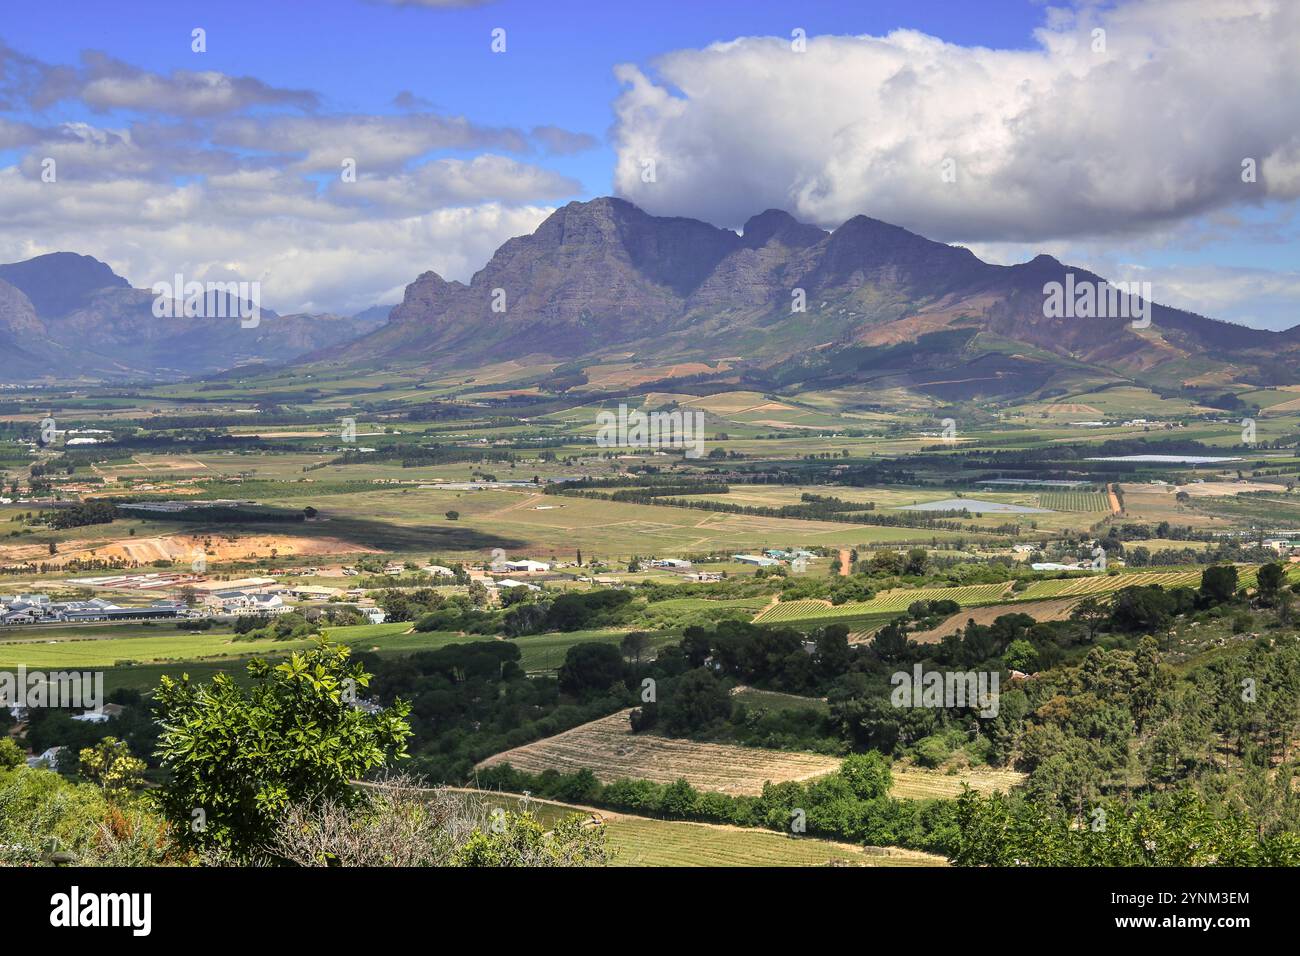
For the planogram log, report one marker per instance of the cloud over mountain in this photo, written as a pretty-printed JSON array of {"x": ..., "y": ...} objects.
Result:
[{"x": 1142, "y": 124}]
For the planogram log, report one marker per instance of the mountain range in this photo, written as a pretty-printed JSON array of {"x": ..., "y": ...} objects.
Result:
[
  {"x": 783, "y": 301},
  {"x": 603, "y": 278},
  {"x": 65, "y": 317}
]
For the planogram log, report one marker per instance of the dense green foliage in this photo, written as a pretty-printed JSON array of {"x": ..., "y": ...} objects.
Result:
[
  {"x": 469, "y": 701},
  {"x": 850, "y": 804},
  {"x": 237, "y": 757},
  {"x": 1180, "y": 830}
]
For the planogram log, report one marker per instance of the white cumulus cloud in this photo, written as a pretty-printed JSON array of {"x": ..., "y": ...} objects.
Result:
[{"x": 1088, "y": 133}]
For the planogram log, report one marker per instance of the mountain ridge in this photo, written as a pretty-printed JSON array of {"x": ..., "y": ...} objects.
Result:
[
  {"x": 64, "y": 316},
  {"x": 867, "y": 301},
  {"x": 604, "y": 275}
]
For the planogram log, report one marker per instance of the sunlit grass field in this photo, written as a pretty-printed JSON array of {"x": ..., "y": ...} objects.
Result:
[
  {"x": 137, "y": 660},
  {"x": 643, "y": 841}
]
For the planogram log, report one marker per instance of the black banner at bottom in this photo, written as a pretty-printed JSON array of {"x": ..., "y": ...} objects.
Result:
[{"x": 144, "y": 906}]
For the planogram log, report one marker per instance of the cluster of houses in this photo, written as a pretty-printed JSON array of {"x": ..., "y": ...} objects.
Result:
[
  {"x": 1145, "y": 424},
  {"x": 1097, "y": 563},
  {"x": 262, "y": 601},
  {"x": 39, "y": 609},
  {"x": 495, "y": 584},
  {"x": 249, "y": 597},
  {"x": 237, "y": 603}
]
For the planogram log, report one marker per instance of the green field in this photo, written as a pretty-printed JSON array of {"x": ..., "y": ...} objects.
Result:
[
  {"x": 642, "y": 841},
  {"x": 854, "y": 613},
  {"x": 138, "y": 661},
  {"x": 887, "y": 602},
  {"x": 98, "y": 651},
  {"x": 553, "y": 527}
]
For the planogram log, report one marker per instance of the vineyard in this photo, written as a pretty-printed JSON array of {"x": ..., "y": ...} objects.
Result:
[
  {"x": 1107, "y": 584},
  {"x": 1079, "y": 501}
]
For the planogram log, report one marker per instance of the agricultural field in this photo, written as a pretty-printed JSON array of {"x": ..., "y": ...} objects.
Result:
[
  {"x": 1163, "y": 544},
  {"x": 1152, "y": 504},
  {"x": 1074, "y": 501},
  {"x": 544, "y": 653},
  {"x": 1109, "y": 403},
  {"x": 608, "y": 748},
  {"x": 684, "y": 612},
  {"x": 168, "y": 646},
  {"x": 473, "y": 488},
  {"x": 914, "y": 783},
  {"x": 1056, "y": 609},
  {"x": 776, "y": 496},
  {"x": 893, "y": 601},
  {"x": 644, "y": 841},
  {"x": 136, "y": 647},
  {"x": 1108, "y": 583},
  {"x": 551, "y": 527},
  {"x": 1254, "y": 511},
  {"x": 896, "y": 601},
  {"x": 774, "y": 701}
]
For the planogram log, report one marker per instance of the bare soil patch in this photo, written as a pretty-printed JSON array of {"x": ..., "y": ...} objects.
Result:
[
  {"x": 1055, "y": 609},
  {"x": 184, "y": 547}
]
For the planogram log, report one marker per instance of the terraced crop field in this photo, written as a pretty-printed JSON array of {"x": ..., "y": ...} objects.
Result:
[
  {"x": 1077, "y": 501},
  {"x": 609, "y": 749}
]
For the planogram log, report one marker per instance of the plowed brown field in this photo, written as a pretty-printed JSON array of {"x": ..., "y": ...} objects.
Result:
[
  {"x": 1055, "y": 609},
  {"x": 608, "y": 748}
]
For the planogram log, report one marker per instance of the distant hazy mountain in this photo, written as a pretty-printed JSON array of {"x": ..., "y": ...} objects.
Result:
[
  {"x": 65, "y": 316},
  {"x": 604, "y": 276}
]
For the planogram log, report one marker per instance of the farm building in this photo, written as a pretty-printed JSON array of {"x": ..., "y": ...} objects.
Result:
[
  {"x": 314, "y": 592},
  {"x": 526, "y": 566},
  {"x": 511, "y": 583},
  {"x": 704, "y": 576}
]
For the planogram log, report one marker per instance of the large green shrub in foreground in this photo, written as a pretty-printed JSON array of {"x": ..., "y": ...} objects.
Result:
[{"x": 238, "y": 758}]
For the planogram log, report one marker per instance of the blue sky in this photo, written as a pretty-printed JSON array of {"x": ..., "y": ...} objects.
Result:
[
  {"x": 557, "y": 68},
  {"x": 1130, "y": 170}
]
